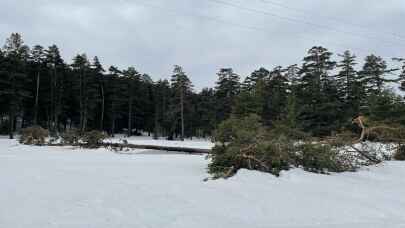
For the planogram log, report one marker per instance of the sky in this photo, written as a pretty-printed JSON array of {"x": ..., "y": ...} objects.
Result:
[{"x": 205, "y": 35}]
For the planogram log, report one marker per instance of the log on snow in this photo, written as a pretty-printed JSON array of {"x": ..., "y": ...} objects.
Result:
[{"x": 155, "y": 147}]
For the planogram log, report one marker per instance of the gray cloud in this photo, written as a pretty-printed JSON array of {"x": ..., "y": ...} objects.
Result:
[{"x": 203, "y": 36}]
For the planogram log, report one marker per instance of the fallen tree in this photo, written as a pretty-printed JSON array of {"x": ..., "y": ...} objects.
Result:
[
  {"x": 121, "y": 146},
  {"x": 244, "y": 143}
]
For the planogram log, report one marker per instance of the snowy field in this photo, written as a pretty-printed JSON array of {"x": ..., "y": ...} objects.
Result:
[{"x": 57, "y": 187}]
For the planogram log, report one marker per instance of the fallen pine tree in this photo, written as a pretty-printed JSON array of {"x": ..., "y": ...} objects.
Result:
[{"x": 244, "y": 143}]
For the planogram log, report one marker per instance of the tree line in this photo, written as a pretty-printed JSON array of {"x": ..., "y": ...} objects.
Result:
[{"x": 320, "y": 96}]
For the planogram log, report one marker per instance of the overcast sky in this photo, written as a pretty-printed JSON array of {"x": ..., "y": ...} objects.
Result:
[{"x": 205, "y": 35}]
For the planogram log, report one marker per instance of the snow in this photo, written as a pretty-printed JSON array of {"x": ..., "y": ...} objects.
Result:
[
  {"x": 145, "y": 140},
  {"x": 64, "y": 187}
]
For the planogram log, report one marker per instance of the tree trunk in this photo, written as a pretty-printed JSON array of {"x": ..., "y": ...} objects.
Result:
[
  {"x": 81, "y": 100},
  {"x": 129, "y": 133},
  {"x": 85, "y": 114},
  {"x": 56, "y": 103},
  {"x": 182, "y": 113},
  {"x": 113, "y": 120},
  {"x": 102, "y": 108},
  {"x": 36, "y": 100},
  {"x": 52, "y": 102},
  {"x": 11, "y": 124},
  {"x": 156, "y": 124}
]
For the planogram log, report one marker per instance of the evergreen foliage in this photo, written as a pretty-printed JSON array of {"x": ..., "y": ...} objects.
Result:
[
  {"x": 319, "y": 105},
  {"x": 245, "y": 143},
  {"x": 182, "y": 90},
  {"x": 227, "y": 89},
  {"x": 320, "y": 97},
  {"x": 373, "y": 75},
  {"x": 401, "y": 78},
  {"x": 92, "y": 139}
]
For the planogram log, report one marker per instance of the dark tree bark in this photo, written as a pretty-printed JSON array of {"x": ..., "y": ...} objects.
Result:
[
  {"x": 11, "y": 124},
  {"x": 129, "y": 133}
]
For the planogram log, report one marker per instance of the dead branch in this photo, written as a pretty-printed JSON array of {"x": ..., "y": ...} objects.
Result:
[
  {"x": 360, "y": 122},
  {"x": 365, "y": 155},
  {"x": 253, "y": 158}
]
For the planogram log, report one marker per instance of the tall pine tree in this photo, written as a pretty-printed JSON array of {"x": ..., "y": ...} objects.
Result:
[
  {"x": 56, "y": 66},
  {"x": 98, "y": 71},
  {"x": 350, "y": 88},
  {"x": 182, "y": 87},
  {"x": 132, "y": 79},
  {"x": 38, "y": 56}
]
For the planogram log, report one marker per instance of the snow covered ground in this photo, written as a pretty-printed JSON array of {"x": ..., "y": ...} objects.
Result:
[
  {"x": 53, "y": 187},
  {"x": 145, "y": 140}
]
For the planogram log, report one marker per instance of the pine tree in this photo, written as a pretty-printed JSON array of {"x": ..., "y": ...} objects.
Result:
[
  {"x": 115, "y": 94},
  {"x": 14, "y": 77},
  {"x": 3, "y": 101},
  {"x": 373, "y": 75},
  {"x": 252, "y": 96},
  {"x": 56, "y": 65},
  {"x": 247, "y": 103},
  {"x": 227, "y": 88},
  {"x": 205, "y": 113},
  {"x": 277, "y": 95},
  {"x": 146, "y": 104},
  {"x": 317, "y": 92},
  {"x": 132, "y": 79},
  {"x": 81, "y": 66},
  {"x": 290, "y": 119},
  {"x": 98, "y": 70},
  {"x": 346, "y": 77},
  {"x": 260, "y": 75},
  {"x": 182, "y": 87},
  {"x": 350, "y": 88},
  {"x": 162, "y": 94},
  {"x": 293, "y": 74},
  {"x": 38, "y": 56}
]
